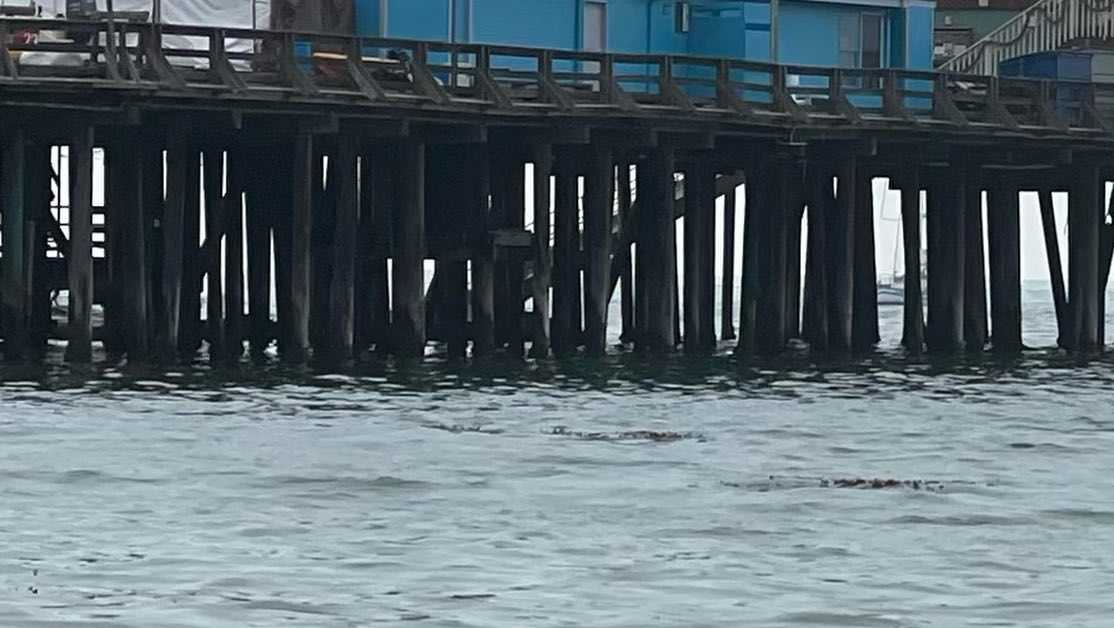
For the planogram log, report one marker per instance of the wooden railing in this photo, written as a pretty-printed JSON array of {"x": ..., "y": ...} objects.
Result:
[
  {"x": 1047, "y": 25},
  {"x": 203, "y": 62}
]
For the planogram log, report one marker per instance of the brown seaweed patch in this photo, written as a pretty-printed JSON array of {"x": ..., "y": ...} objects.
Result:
[
  {"x": 462, "y": 429},
  {"x": 631, "y": 435},
  {"x": 781, "y": 483}
]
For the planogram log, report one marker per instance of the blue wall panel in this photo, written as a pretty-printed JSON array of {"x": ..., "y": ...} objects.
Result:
[
  {"x": 543, "y": 23},
  {"x": 418, "y": 19},
  {"x": 918, "y": 28}
]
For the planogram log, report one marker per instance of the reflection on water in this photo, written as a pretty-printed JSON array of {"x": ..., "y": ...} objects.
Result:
[{"x": 621, "y": 492}]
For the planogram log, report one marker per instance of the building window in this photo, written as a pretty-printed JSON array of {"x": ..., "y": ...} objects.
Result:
[
  {"x": 861, "y": 39},
  {"x": 595, "y": 26},
  {"x": 871, "y": 41},
  {"x": 682, "y": 13},
  {"x": 849, "y": 41}
]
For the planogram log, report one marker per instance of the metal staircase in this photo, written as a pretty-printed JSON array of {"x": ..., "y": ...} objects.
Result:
[{"x": 1045, "y": 26}]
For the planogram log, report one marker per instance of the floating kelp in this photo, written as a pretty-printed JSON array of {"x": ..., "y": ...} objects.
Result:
[{"x": 632, "y": 435}]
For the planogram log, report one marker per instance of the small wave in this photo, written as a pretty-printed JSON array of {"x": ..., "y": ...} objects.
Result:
[
  {"x": 821, "y": 618},
  {"x": 957, "y": 520},
  {"x": 1105, "y": 517},
  {"x": 462, "y": 429}
]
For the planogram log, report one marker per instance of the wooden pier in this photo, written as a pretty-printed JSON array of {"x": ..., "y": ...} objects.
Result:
[{"x": 327, "y": 171}]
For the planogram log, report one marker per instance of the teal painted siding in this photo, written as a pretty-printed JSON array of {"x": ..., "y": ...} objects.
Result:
[{"x": 808, "y": 30}]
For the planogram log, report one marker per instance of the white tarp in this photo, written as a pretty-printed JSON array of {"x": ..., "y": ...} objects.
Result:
[{"x": 231, "y": 13}]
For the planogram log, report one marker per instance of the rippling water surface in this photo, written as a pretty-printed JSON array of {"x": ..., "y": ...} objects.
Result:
[{"x": 620, "y": 493}]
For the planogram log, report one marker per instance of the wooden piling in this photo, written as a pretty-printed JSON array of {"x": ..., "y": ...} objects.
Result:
[
  {"x": 233, "y": 205},
  {"x": 116, "y": 179},
  {"x": 381, "y": 216},
  {"x": 913, "y": 329},
  {"x": 213, "y": 258},
  {"x": 974, "y": 298},
  {"x": 727, "y": 287},
  {"x": 946, "y": 261},
  {"x": 566, "y": 258},
  {"x": 659, "y": 260},
  {"x": 189, "y": 335},
  {"x": 1055, "y": 265},
  {"x": 1004, "y": 226},
  {"x": 699, "y": 333},
  {"x": 130, "y": 249},
  {"x": 773, "y": 325},
  {"x": 13, "y": 193},
  {"x": 599, "y": 195},
  {"x": 483, "y": 264},
  {"x": 841, "y": 248},
  {"x": 37, "y": 202},
  {"x": 343, "y": 173},
  {"x": 1084, "y": 226},
  {"x": 754, "y": 245},
  {"x": 793, "y": 217},
  {"x": 322, "y": 255},
  {"x": 177, "y": 156},
  {"x": 623, "y": 255},
  {"x": 153, "y": 205},
  {"x": 80, "y": 262},
  {"x": 259, "y": 211},
  {"x": 296, "y": 345},
  {"x": 408, "y": 271},
  {"x": 542, "y": 157},
  {"x": 864, "y": 333},
  {"x": 816, "y": 308}
]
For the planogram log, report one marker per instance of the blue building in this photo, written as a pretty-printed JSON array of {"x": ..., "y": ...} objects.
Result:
[{"x": 847, "y": 33}]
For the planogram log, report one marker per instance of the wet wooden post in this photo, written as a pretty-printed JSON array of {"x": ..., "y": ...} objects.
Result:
[
  {"x": 566, "y": 258},
  {"x": 819, "y": 188},
  {"x": 189, "y": 338},
  {"x": 912, "y": 337},
  {"x": 708, "y": 258},
  {"x": 177, "y": 155},
  {"x": 623, "y": 256},
  {"x": 37, "y": 289},
  {"x": 699, "y": 212},
  {"x": 515, "y": 219},
  {"x": 773, "y": 323},
  {"x": 659, "y": 260},
  {"x": 116, "y": 176},
  {"x": 793, "y": 217},
  {"x": 643, "y": 237},
  {"x": 408, "y": 320},
  {"x": 214, "y": 260},
  {"x": 1004, "y": 225},
  {"x": 233, "y": 203},
  {"x": 974, "y": 298},
  {"x": 130, "y": 249},
  {"x": 322, "y": 254},
  {"x": 383, "y": 208},
  {"x": 542, "y": 158},
  {"x": 361, "y": 304},
  {"x": 599, "y": 195},
  {"x": 864, "y": 334},
  {"x": 344, "y": 175},
  {"x": 449, "y": 183},
  {"x": 841, "y": 248},
  {"x": 260, "y": 211},
  {"x": 727, "y": 288},
  {"x": 296, "y": 345},
  {"x": 153, "y": 201},
  {"x": 483, "y": 263},
  {"x": 80, "y": 345},
  {"x": 13, "y": 201},
  {"x": 1084, "y": 226},
  {"x": 946, "y": 260},
  {"x": 1055, "y": 265},
  {"x": 754, "y": 246}
]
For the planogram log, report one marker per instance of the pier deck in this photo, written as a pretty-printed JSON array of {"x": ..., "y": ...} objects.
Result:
[{"x": 335, "y": 155}]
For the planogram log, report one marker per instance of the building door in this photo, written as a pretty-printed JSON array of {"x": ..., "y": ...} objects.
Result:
[
  {"x": 595, "y": 26},
  {"x": 871, "y": 55}
]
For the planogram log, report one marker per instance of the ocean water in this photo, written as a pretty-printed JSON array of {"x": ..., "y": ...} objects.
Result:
[{"x": 620, "y": 492}]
